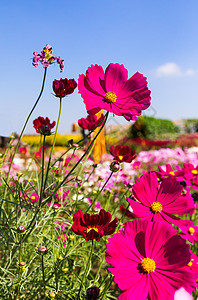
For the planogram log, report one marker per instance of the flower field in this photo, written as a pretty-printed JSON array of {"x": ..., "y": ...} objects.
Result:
[{"x": 122, "y": 226}]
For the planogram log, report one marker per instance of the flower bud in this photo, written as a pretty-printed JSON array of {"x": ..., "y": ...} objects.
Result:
[
  {"x": 93, "y": 293},
  {"x": 74, "y": 145},
  {"x": 115, "y": 166},
  {"x": 65, "y": 270},
  {"x": 21, "y": 229},
  {"x": 79, "y": 179},
  {"x": 129, "y": 185},
  {"x": 52, "y": 294},
  {"x": 22, "y": 265},
  {"x": 42, "y": 250}
]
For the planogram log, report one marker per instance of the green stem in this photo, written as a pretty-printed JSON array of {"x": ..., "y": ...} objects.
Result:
[
  {"x": 99, "y": 192},
  {"x": 42, "y": 168},
  {"x": 54, "y": 141},
  {"x": 70, "y": 172},
  {"x": 78, "y": 142},
  {"x": 43, "y": 271},
  {"x": 16, "y": 148},
  {"x": 117, "y": 228},
  {"x": 87, "y": 267},
  {"x": 107, "y": 285}
]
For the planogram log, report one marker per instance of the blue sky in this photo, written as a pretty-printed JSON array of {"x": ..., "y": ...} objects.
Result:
[{"x": 156, "y": 38}]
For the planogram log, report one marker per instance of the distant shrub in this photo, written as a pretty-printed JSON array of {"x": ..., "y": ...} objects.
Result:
[
  {"x": 190, "y": 125},
  {"x": 151, "y": 128}
]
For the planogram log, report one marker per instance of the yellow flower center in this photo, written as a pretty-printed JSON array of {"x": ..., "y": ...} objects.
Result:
[
  {"x": 48, "y": 54},
  {"x": 148, "y": 265},
  {"x": 120, "y": 157},
  {"x": 190, "y": 263},
  {"x": 172, "y": 173},
  {"x": 33, "y": 197},
  {"x": 90, "y": 228},
  {"x": 156, "y": 207},
  {"x": 191, "y": 230},
  {"x": 59, "y": 192},
  {"x": 195, "y": 172},
  {"x": 62, "y": 237},
  {"x": 110, "y": 97}
]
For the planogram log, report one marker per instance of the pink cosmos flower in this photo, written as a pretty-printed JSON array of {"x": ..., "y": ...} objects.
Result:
[
  {"x": 63, "y": 238},
  {"x": 193, "y": 266},
  {"x": 149, "y": 261},
  {"x": 34, "y": 197},
  {"x": 169, "y": 172},
  {"x": 189, "y": 231},
  {"x": 191, "y": 175},
  {"x": 46, "y": 58},
  {"x": 113, "y": 91},
  {"x": 160, "y": 201}
]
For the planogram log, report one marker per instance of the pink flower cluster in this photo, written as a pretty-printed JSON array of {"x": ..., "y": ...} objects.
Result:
[{"x": 46, "y": 58}]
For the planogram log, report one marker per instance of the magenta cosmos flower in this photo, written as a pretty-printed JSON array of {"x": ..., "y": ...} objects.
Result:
[
  {"x": 160, "y": 201},
  {"x": 189, "y": 231},
  {"x": 149, "y": 261},
  {"x": 113, "y": 91}
]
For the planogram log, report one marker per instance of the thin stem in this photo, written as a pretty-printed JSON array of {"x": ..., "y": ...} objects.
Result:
[
  {"x": 87, "y": 267},
  {"x": 42, "y": 169},
  {"x": 33, "y": 108},
  {"x": 70, "y": 172},
  {"x": 54, "y": 141},
  {"x": 43, "y": 271},
  {"x": 99, "y": 192}
]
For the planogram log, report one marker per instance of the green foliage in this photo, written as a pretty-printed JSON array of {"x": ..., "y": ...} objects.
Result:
[
  {"x": 151, "y": 128},
  {"x": 190, "y": 125}
]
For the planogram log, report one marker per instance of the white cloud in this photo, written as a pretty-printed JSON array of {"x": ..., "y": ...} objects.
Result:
[{"x": 172, "y": 69}]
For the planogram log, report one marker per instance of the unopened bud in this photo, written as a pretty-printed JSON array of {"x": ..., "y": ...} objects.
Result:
[
  {"x": 79, "y": 179},
  {"x": 42, "y": 250},
  {"x": 52, "y": 295},
  {"x": 115, "y": 166},
  {"x": 74, "y": 145},
  {"x": 22, "y": 264},
  {"x": 21, "y": 229},
  {"x": 65, "y": 270},
  {"x": 129, "y": 185},
  {"x": 93, "y": 293}
]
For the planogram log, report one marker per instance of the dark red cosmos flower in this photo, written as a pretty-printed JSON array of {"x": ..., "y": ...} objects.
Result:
[
  {"x": 91, "y": 122},
  {"x": 93, "y": 226},
  {"x": 43, "y": 126},
  {"x": 64, "y": 87},
  {"x": 122, "y": 153}
]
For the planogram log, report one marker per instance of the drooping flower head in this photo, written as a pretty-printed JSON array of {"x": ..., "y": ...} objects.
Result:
[
  {"x": 113, "y": 91},
  {"x": 93, "y": 226},
  {"x": 64, "y": 87},
  {"x": 91, "y": 122},
  {"x": 149, "y": 261},
  {"x": 46, "y": 58},
  {"x": 43, "y": 125},
  {"x": 160, "y": 201},
  {"x": 122, "y": 153}
]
